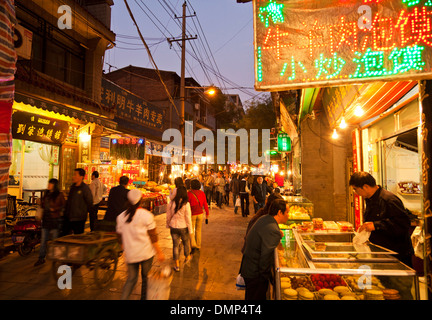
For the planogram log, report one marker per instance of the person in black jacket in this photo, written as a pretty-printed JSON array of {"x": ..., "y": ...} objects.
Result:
[
  {"x": 259, "y": 193},
  {"x": 385, "y": 217},
  {"x": 258, "y": 257},
  {"x": 244, "y": 196},
  {"x": 79, "y": 202},
  {"x": 117, "y": 200}
]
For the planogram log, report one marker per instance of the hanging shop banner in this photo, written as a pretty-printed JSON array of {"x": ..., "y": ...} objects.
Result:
[
  {"x": 131, "y": 107},
  {"x": 301, "y": 44},
  {"x": 33, "y": 127}
]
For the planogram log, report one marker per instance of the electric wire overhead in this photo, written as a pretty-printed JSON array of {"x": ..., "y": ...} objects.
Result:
[{"x": 152, "y": 60}]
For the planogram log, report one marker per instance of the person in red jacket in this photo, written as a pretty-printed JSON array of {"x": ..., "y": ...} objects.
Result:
[{"x": 197, "y": 200}]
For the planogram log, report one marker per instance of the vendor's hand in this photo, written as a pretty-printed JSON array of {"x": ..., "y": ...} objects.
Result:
[{"x": 368, "y": 226}]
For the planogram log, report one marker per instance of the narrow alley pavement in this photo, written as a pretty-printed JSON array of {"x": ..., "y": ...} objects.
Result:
[{"x": 209, "y": 276}]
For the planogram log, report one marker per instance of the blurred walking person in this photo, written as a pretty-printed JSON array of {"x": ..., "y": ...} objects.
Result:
[
  {"x": 208, "y": 186},
  {"x": 52, "y": 204},
  {"x": 197, "y": 202},
  {"x": 79, "y": 202},
  {"x": 137, "y": 232},
  {"x": 117, "y": 199},
  {"x": 235, "y": 189},
  {"x": 97, "y": 189},
  {"x": 220, "y": 189},
  {"x": 244, "y": 196},
  {"x": 179, "y": 220}
]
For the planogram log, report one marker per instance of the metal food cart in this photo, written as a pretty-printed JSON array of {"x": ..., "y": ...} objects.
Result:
[{"x": 99, "y": 251}]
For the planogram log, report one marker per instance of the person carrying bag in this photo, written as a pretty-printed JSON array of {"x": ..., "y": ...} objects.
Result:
[{"x": 197, "y": 199}]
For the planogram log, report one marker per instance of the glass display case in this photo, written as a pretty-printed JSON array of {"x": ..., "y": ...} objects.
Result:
[
  {"x": 316, "y": 266},
  {"x": 300, "y": 208}
]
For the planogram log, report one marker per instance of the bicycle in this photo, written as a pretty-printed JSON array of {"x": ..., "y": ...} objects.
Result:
[{"x": 18, "y": 209}]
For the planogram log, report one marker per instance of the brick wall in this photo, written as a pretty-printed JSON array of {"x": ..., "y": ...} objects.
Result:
[{"x": 324, "y": 169}]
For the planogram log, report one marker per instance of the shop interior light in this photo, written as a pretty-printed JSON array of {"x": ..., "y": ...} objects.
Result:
[
  {"x": 140, "y": 141},
  {"x": 84, "y": 136},
  {"x": 282, "y": 173},
  {"x": 114, "y": 141},
  {"x": 342, "y": 124},
  {"x": 335, "y": 134},
  {"x": 359, "y": 111},
  {"x": 289, "y": 172}
]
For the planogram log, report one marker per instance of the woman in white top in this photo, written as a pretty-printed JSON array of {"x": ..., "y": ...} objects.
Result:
[
  {"x": 179, "y": 220},
  {"x": 137, "y": 231}
]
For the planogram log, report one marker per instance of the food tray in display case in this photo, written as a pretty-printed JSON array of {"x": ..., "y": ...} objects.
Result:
[
  {"x": 299, "y": 208},
  {"x": 339, "y": 247}
]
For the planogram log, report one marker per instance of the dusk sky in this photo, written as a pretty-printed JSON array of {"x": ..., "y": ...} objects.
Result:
[{"x": 224, "y": 45}]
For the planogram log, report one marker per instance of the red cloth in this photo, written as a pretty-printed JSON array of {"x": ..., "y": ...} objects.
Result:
[
  {"x": 5, "y": 116},
  {"x": 196, "y": 207},
  {"x": 279, "y": 179}
]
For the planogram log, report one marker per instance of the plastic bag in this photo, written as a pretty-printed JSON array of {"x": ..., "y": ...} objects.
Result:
[
  {"x": 159, "y": 282},
  {"x": 417, "y": 240},
  {"x": 240, "y": 283},
  {"x": 362, "y": 237},
  {"x": 238, "y": 202}
]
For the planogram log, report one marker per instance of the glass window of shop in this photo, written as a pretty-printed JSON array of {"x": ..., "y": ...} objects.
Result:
[
  {"x": 32, "y": 165},
  {"x": 390, "y": 154}
]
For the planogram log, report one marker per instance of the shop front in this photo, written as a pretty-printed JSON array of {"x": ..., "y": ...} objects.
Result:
[
  {"x": 35, "y": 157},
  {"x": 49, "y": 139}
]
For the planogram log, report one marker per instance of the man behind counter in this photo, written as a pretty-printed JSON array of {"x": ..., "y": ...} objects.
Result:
[{"x": 385, "y": 216}]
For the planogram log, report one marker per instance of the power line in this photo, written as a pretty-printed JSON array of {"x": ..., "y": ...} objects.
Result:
[{"x": 151, "y": 59}]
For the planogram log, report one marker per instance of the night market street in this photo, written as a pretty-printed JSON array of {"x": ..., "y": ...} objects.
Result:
[{"x": 210, "y": 275}]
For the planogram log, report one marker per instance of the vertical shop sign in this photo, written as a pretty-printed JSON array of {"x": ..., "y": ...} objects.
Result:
[
  {"x": 426, "y": 137},
  {"x": 356, "y": 168}
]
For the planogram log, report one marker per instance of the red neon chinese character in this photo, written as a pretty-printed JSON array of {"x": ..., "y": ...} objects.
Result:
[
  {"x": 314, "y": 39},
  {"x": 273, "y": 41},
  {"x": 383, "y": 34},
  {"x": 415, "y": 27},
  {"x": 343, "y": 33}
]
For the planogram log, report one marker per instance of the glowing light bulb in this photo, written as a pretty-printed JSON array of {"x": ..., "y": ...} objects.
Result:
[
  {"x": 359, "y": 111},
  {"x": 342, "y": 124},
  {"x": 335, "y": 134}
]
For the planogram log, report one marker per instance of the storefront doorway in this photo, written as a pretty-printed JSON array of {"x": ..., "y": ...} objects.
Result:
[{"x": 33, "y": 164}]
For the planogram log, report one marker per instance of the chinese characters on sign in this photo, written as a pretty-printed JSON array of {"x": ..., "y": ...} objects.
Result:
[
  {"x": 303, "y": 44},
  {"x": 33, "y": 127},
  {"x": 131, "y": 107}
]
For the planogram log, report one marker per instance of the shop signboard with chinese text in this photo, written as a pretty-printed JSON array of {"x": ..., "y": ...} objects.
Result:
[
  {"x": 131, "y": 107},
  {"x": 301, "y": 44},
  {"x": 284, "y": 142},
  {"x": 33, "y": 127}
]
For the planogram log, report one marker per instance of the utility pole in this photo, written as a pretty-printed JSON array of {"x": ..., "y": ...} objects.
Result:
[{"x": 183, "y": 40}]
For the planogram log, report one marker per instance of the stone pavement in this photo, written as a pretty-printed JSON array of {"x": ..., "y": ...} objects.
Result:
[{"x": 209, "y": 276}]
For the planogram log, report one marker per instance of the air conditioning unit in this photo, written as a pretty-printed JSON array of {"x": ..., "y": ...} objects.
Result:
[{"x": 23, "y": 42}]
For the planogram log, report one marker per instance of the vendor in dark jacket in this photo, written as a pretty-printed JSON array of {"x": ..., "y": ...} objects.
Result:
[
  {"x": 385, "y": 216},
  {"x": 258, "y": 256},
  {"x": 117, "y": 200},
  {"x": 79, "y": 202}
]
